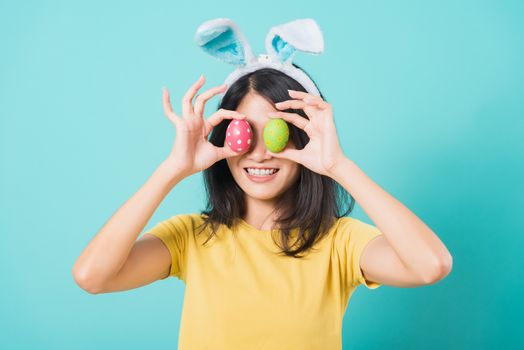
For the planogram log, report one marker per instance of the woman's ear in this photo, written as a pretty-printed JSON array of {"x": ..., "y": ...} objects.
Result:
[
  {"x": 299, "y": 35},
  {"x": 222, "y": 39}
]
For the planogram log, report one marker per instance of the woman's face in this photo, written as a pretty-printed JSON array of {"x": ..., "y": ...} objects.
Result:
[{"x": 257, "y": 186}]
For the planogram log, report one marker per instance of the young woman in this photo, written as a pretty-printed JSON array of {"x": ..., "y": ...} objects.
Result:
[{"x": 273, "y": 261}]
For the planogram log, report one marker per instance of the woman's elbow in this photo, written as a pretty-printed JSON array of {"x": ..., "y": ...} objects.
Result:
[
  {"x": 441, "y": 269},
  {"x": 83, "y": 280}
]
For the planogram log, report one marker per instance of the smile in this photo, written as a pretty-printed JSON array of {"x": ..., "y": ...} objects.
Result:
[
  {"x": 261, "y": 175},
  {"x": 261, "y": 172}
]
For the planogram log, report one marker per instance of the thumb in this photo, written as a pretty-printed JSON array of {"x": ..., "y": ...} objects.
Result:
[
  {"x": 226, "y": 152},
  {"x": 291, "y": 154}
]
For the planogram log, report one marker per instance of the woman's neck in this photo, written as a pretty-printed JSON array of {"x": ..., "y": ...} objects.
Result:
[{"x": 260, "y": 213}]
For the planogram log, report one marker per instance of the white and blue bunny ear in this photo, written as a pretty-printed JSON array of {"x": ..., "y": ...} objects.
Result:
[
  {"x": 222, "y": 39},
  {"x": 284, "y": 40}
]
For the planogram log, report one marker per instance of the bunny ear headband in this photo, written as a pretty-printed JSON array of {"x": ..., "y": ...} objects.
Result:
[{"x": 221, "y": 38}]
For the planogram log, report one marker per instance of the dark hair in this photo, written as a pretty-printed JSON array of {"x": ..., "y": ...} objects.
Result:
[{"x": 311, "y": 204}]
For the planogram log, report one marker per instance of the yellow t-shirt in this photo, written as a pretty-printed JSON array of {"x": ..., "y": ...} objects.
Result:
[{"x": 239, "y": 294}]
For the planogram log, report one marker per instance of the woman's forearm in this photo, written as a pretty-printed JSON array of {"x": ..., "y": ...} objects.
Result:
[
  {"x": 107, "y": 252},
  {"x": 415, "y": 243}
]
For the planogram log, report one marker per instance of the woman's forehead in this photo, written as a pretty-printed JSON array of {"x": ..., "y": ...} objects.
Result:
[{"x": 256, "y": 108}]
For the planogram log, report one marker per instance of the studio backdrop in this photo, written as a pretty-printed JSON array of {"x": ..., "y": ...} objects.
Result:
[{"x": 428, "y": 100}]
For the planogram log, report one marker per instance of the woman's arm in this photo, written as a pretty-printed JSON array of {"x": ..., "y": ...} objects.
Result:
[
  {"x": 113, "y": 260},
  {"x": 409, "y": 253},
  {"x": 106, "y": 254}
]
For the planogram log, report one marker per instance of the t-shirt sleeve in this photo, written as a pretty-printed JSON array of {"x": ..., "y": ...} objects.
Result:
[
  {"x": 174, "y": 233},
  {"x": 356, "y": 235}
]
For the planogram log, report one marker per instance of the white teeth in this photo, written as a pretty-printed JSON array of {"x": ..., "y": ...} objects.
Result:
[{"x": 261, "y": 172}]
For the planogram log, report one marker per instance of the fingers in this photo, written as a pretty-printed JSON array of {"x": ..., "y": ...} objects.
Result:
[
  {"x": 217, "y": 117},
  {"x": 293, "y": 118},
  {"x": 309, "y": 99},
  {"x": 317, "y": 103},
  {"x": 168, "y": 111},
  {"x": 301, "y": 104},
  {"x": 288, "y": 153},
  {"x": 226, "y": 152},
  {"x": 301, "y": 94},
  {"x": 291, "y": 104},
  {"x": 187, "y": 108},
  {"x": 201, "y": 99}
]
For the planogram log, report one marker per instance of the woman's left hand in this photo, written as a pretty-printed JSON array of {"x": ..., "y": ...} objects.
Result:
[{"x": 323, "y": 151}]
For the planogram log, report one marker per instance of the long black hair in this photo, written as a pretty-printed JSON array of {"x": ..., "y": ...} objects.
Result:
[{"x": 311, "y": 204}]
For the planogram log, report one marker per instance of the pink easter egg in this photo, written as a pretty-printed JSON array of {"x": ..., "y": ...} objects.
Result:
[{"x": 239, "y": 135}]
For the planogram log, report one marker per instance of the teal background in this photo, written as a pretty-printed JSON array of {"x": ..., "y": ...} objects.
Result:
[{"x": 428, "y": 101}]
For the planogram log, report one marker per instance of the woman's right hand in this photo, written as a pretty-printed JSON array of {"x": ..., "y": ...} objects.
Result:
[{"x": 192, "y": 152}]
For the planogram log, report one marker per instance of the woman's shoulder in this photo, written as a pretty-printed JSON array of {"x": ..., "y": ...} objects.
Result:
[
  {"x": 337, "y": 222},
  {"x": 188, "y": 219},
  {"x": 349, "y": 231},
  {"x": 349, "y": 222},
  {"x": 346, "y": 225}
]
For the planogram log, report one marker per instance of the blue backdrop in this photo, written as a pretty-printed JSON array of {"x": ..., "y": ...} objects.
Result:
[{"x": 428, "y": 101}]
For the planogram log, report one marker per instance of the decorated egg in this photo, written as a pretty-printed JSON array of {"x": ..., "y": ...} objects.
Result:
[
  {"x": 239, "y": 135},
  {"x": 276, "y": 135}
]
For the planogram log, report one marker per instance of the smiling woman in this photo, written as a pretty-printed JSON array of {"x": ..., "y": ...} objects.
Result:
[
  {"x": 273, "y": 259},
  {"x": 292, "y": 197}
]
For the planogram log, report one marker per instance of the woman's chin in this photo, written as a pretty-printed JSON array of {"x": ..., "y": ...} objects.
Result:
[{"x": 262, "y": 194}]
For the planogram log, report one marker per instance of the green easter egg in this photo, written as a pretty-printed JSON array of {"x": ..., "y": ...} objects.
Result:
[{"x": 276, "y": 135}]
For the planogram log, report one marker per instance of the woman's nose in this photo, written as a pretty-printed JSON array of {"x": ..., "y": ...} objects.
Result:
[{"x": 258, "y": 151}]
